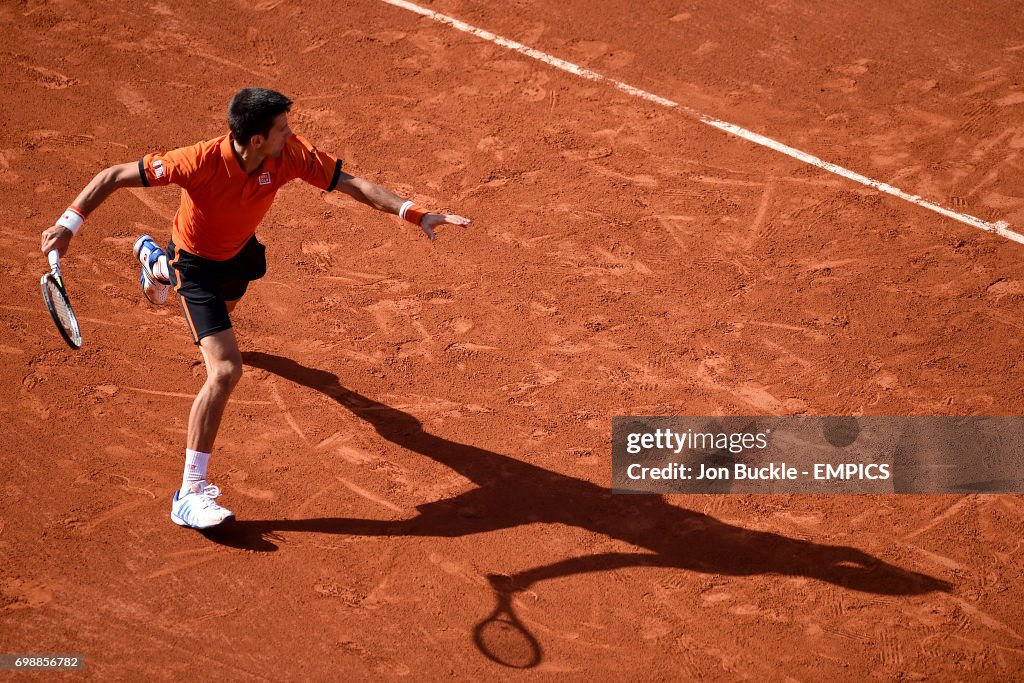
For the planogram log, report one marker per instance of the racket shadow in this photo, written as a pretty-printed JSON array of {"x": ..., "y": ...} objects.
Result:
[
  {"x": 512, "y": 493},
  {"x": 502, "y": 637}
]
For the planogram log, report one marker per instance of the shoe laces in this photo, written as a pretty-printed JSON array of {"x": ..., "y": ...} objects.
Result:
[{"x": 207, "y": 493}]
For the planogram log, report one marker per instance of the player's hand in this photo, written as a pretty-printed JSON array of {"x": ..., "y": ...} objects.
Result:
[
  {"x": 57, "y": 237},
  {"x": 432, "y": 220}
]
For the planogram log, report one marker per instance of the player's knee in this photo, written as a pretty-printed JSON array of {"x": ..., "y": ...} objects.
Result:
[{"x": 226, "y": 373}]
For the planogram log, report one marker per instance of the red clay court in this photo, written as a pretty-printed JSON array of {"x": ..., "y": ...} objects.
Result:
[{"x": 419, "y": 450}]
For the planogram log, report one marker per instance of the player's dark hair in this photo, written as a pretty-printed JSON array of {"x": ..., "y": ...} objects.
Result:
[{"x": 252, "y": 112}]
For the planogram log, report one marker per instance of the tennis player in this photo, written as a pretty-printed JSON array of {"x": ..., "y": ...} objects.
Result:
[{"x": 229, "y": 184}]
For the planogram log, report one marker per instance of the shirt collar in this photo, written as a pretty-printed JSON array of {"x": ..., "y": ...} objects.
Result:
[
  {"x": 234, "y": 166},
  {"x": 227, "y": 153}
]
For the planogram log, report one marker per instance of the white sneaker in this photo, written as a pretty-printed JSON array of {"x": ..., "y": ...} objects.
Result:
[
  {"x": 197, "y": 509},
  {"x": 148, "y": 253}
]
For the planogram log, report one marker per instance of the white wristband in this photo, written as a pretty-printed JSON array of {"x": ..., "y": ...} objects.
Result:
[
  {"x": 405, "y": 207},
  {"x": 72, "y": 220}
]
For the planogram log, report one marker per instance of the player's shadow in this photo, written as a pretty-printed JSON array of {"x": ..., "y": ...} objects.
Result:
[{"x": 511, "y": 492}]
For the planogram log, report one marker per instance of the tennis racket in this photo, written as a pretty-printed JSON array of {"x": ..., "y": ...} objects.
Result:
[{"x": 56, "y": 298}]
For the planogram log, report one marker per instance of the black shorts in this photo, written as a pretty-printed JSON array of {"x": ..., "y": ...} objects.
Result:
[{"x": 204, "y": 286}]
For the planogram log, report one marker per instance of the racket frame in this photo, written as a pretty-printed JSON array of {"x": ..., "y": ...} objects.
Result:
[{"x": 52, "y": 284}]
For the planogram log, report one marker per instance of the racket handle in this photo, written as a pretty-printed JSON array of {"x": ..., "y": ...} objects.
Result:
[{"x": 54, "y": 258}]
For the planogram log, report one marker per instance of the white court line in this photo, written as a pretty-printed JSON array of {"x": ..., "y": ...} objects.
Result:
[
  {"x": 176, "y": 394},
  {"x": 1000, "y": 228}
]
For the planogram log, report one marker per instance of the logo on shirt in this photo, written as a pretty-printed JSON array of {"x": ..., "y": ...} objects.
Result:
[
  {"x": 158, "y": 168},
  {"x": 264, "y": 178}
]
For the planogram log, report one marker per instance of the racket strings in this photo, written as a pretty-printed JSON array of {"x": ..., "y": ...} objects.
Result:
[
  {"x": 60, "y": 304},
  {"x": 61, "y": 308}
]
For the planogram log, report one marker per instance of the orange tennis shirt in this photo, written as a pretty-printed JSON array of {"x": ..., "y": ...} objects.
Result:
[{"x": 221, "y": 205}]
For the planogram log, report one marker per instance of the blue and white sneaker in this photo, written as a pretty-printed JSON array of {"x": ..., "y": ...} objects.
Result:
[
  {"x": 197, "y": 508},
  {"x": 148, "y": 253}
]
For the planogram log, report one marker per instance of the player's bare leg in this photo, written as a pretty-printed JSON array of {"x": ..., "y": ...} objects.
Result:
[
  {"x": 223, "y": 370},
  {"x": 194, "y": 505}
]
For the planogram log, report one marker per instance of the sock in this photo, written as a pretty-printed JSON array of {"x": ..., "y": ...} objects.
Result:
[
  {"x": 160, "y": 269},
  {"x": 195, "y": 468}
]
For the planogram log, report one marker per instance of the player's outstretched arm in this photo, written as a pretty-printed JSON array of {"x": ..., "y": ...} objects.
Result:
[
  {"x": 99, "y": 188},
  {"x": 383, "y": 199}
]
